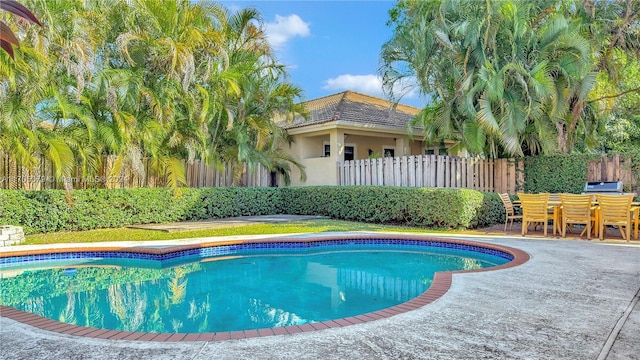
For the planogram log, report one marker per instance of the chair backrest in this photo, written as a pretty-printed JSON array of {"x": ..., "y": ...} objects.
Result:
[
  {"x": 508, "y": 205},
  {"x": 534, "y": 205},
  {"x": 614, "y": 207},
  {"x": 576, "y": 206}
]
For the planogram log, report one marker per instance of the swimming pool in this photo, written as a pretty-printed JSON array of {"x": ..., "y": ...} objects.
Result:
[{"x": 261, "y": 287}]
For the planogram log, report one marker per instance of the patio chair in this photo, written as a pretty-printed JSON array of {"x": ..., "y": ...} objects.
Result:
[
  {"x": 555, "y": 210},
  {"x": 636, "y": 210},
  {"x": 615, "y": 210},
  {"x": 577, "y": 209},
  {"x": 510, "y": 212},
  {"x": 535, "y": 210}
]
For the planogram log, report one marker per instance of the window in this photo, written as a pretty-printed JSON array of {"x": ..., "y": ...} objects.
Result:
[
  {"x": 327, "y": 150},
  {"x": 436, "y": 151},
  {"x": 388, "y": 152},
  {"x": 349, "y": 152}
]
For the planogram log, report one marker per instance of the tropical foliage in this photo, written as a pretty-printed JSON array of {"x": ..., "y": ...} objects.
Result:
[
  {"x": 165, "y": 80},
  {"x": 514, "y": 77},
  {"x": 7, "y": 38}
]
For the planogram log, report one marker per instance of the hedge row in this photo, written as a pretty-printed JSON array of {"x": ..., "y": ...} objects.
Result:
[
  {"x": 424, "y": 207},
  {"x": 557, "y": 173},
  {"x": 54, "y": 210}
]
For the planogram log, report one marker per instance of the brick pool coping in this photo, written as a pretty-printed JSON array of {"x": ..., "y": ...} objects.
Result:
[{"x": 440, "y": 285}]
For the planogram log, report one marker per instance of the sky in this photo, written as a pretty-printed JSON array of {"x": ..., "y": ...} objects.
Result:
[{"x": 328, "y": 46}]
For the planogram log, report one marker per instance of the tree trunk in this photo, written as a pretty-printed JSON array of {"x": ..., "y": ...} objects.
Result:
[{"x": 562, "y": 138}]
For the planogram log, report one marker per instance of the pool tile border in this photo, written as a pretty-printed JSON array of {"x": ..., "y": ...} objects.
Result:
[{"x": 440, "y": 285}]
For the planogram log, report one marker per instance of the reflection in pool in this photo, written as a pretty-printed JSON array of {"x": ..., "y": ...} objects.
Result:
[{"x": 246, "y": 291}]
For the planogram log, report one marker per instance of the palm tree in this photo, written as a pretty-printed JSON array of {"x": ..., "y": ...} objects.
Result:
[
  {"x": 7, "y": 38},
  {"x": 504, "y": 75},
  {"x": 169, "y": 81},
  {"x": 26, "y": 83},
  {"x": 243, "y": 131}
]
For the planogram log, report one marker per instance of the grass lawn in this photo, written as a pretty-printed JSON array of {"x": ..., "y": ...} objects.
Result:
[{"x": 126, "y": 234}]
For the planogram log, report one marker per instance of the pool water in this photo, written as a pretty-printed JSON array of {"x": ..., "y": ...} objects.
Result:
[{"x": 247, "y": 290}]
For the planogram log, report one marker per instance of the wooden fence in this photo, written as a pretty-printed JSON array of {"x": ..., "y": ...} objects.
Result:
[
  {"x": 614, "y": 168},
  {"x": 198, "y": 174},
  {"x": 499, "y": 175}
]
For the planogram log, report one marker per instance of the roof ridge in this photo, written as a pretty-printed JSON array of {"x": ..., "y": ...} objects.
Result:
[
  {"x": 396, "y": 106},
  {"x": 345, "y": 95},
  {"x": 336, "y": 114},
  {"x": 324, "y": 97}
]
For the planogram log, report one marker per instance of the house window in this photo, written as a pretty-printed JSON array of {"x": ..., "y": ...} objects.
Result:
[
  {"x": 435, "y": 151},
  {"x": 388, "y": 152},
  {"x": 327, "y": 150},
  {"x": 349, "y": 152}
]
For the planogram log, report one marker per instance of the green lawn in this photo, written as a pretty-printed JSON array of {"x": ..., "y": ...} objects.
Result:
[{"x": 125, "y": 234}]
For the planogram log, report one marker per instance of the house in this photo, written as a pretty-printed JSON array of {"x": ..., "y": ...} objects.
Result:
[{"x": 351, "y": 126}]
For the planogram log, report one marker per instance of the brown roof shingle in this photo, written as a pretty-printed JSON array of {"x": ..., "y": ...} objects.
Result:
[{"x": 353, "y": 107}]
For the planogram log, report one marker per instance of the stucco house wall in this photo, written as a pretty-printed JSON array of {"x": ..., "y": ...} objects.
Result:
[{"x": 339, "y": 123}]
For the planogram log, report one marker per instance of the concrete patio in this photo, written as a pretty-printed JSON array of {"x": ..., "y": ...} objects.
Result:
[{"x": 574, "y": 299}]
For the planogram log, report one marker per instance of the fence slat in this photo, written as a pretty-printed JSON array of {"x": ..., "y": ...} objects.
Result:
[{"x": 411, "y": 167}]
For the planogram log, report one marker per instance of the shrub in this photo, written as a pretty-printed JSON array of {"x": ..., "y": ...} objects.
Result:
[
  {"x": 556, "y": 174},
  {"x": 426, "y": 207},
  {"x": 50, "y": 210}
]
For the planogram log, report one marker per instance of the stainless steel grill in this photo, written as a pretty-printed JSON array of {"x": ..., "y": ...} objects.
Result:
[{"x": 603, "y": 187}]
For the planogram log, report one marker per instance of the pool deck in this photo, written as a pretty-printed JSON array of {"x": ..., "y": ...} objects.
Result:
[{"x": 574, "y": 299}]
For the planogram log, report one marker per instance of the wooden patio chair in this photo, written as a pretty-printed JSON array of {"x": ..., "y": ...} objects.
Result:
[
  {"x": 535, "y": 210},
  {"x": 510, "y": 212},
  {"x": 615, "y": 210},
  {"x": 577, "y": 209},
  {"x": 636, "y": 210},
  {"x": 555, "y": 210}
]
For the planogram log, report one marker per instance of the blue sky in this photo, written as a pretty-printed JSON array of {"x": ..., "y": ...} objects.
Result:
[{"x": 328, "y": 46}]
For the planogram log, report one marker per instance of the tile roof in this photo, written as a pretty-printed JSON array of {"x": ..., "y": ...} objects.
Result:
[{"x": 353, "y": 107}]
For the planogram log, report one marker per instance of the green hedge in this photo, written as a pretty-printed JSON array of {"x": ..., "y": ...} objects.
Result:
[
  {"x": 53, "y": 210},
  {"x": 556, "y": 174},
  {"x": 425, "y": 207}
]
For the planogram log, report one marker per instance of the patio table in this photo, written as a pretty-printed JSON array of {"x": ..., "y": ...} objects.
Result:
[{"x": 556, "y": 206}]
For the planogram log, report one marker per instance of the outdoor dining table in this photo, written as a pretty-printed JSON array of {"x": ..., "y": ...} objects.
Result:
[
  {"x": 557, "y": 211},
  {"x": 556, "y": 206}
]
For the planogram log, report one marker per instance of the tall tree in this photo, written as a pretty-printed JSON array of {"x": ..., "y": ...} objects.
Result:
[
  {"x": 165, "y": 80},
  {"x": 244, "y": 132},
  {"x": 510, "y": 77}
]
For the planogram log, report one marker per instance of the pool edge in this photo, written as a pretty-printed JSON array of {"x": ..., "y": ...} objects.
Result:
[{"x": 441, "y": 283}]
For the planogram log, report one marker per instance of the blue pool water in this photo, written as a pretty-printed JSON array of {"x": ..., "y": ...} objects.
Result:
[{"x": 248, "y": 289}]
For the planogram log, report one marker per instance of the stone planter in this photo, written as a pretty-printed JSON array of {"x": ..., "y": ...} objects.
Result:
[{"x": 11, "y": 235}]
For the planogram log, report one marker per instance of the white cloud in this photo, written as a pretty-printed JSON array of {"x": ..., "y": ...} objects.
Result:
[
  {"x": 367, "y": 84},
  {"x": 284, "y": 29}
]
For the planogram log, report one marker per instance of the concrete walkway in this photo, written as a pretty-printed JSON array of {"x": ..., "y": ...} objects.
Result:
[{"x": 565, "y": 303}]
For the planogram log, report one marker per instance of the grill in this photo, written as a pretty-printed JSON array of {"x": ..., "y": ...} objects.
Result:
[{"x": 603, "y": 187}]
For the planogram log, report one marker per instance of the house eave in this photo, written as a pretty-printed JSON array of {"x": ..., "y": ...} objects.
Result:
[{"x": 354, "y": 128}]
